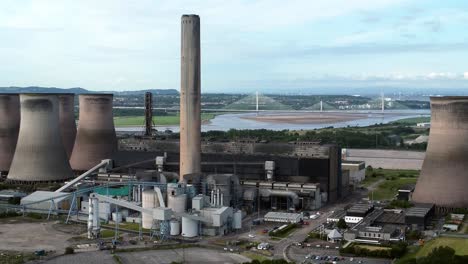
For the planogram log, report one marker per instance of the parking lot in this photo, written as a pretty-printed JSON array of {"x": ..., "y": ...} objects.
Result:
[{"x": 327, "y": 255}]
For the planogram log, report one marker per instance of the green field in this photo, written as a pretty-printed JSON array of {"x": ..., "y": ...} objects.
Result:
[
  {"x": 372, "y": 248},
  {"x": 389, "y": 188},
  {"x": 460, "y": 246},
  {"x": 169, "y": 120},
  {"x": 384, "y": 173},
  {"x": 413, "y": 120}
]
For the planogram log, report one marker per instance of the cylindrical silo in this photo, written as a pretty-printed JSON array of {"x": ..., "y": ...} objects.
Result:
[
  {"x": 237, "y": 220},
  {"x": 40, "y": 155},
  {"x": 177, "y": 203},
  {"x": 95, "y": 139},
  {"x": 67, "y": 121},
  {"x": 443, "y": 180},
  {"x": 175, "y": 227},
  {"x": 9, "y": 128},
  {"x": 149, "y": 201},
  {"x": 189, "y": 227},
  {"x": 190, "y": 94}
]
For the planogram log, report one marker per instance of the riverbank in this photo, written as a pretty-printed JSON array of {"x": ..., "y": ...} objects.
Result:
[
  {"x": 169, "y": 120},
  {"x": 307, "y": 118}
]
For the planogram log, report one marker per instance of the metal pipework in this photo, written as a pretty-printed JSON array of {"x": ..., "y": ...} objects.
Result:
[{"x": 190, "y": 94}]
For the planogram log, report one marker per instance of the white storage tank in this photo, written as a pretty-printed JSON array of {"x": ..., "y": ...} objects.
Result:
[
  {"x": 149, "y": 200},
  {"x": 117, "y": 217},
  {"x": 175, "y": 227},
  {"x": 177, "y": 203},
  {"x": 189, "y": 227},
  {"x": 237, "y": 220}
]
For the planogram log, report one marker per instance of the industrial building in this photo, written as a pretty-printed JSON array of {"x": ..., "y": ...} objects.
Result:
[{"x": 443, "y": 180}]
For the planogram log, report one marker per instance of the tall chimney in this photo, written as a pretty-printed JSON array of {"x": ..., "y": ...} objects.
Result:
[{"x": 190, "y": 119}]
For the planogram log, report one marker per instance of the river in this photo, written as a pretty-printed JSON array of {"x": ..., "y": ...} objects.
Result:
[{"x": 225, "y": 122}]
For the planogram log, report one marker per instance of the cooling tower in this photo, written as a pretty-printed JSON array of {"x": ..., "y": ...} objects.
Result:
[
  {"x": 190, "y": 119},
  {"x": 67, "y": 121},
  {"x": 40, "y": 155},
  {"x": 444, "y": 175},
  {"x": 95, "y": 138},
  {"x": 9, "y": 127}
]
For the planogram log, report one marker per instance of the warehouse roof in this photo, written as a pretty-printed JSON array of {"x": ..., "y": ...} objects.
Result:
[
  {"x": 360, "y": 208},
  {"x": 419, "y": 211},
  {"x": 282, "y": 216},
  {"x": 44, "y": 195}
]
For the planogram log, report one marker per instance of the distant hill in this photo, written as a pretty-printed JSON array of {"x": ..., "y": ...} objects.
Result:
[
  {"x": 153, "y": 91},
  {"x": 78, "y": 90},
  {"x": 36, "y": 89}
]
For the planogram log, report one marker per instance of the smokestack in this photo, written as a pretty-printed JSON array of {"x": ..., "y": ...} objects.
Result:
[
  {"x": 95, "y": 139},
  {"x": 9, "y": 128},
  {"x": 40, "y": 155},
  {"x": 190, "y": 119},
  {"x": 67, "y": 121},
  {"x": 443, "y": 180}
]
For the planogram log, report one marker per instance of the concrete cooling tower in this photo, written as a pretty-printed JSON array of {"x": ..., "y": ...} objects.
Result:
[
  {"x": 444, "y": 174},
  {"x": 95, "y": 139},
  {"x": 9, "y": 127},
  {"x": 67, "y": 121},
  {"x": 40, "y": 155}
]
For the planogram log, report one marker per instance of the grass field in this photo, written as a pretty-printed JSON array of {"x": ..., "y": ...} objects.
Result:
[
  {"x": 122, "y": 121},
  {"x": 382, "y": 173},
  {"x": 253, "y": 256},
  {"x": 460, "y": 245},
  {"x": 413, "y": 120},
  {"x": 372, "y": 248},
  {"x": 389, "y": 188}
]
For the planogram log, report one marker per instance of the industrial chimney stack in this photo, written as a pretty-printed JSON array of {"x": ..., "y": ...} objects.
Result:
[
  {"x": 40, "y": 155},
  {"x": 95, "y": 139},
  {"x": 444, "y": 175},
  {"x": 190, "y": 119},
  {"x": 9, "y": 128},
  {"x": 67, "y": 121}
]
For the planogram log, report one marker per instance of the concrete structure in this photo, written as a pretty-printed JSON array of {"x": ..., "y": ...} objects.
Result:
[
  {"x": 67, "y": 121},
  {"x": 96, "y": 139},
  {"x": 190, "y": 95},
  {"x": 149, "y": 201},
  {"x": 282, "y": 217},
  {"x": 40, "y": 155},
  {"x": 9, "y": 128},
  {"x": 443, "y": 180},
  {"x": 356, "y": 169},
  {"x": 175, "y": 228}
]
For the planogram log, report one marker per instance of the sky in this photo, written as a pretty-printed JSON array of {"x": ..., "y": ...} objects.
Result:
[{"x": 247, "y": 45}]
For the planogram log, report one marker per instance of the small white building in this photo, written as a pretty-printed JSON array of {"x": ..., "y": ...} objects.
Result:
[{"x": 334, "y": 236}]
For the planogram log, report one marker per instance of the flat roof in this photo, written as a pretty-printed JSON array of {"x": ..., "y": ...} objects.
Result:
[
  {"x": 391, "y": 218},
  {"x": 338, "y": 214},
  {"x": 361, "y": 208},
  {"x": 418, "y": 211},
  {"x": 281, "y": 215}
]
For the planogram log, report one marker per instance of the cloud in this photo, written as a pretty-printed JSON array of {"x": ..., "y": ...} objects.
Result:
[{"x": 465, "y": 75}]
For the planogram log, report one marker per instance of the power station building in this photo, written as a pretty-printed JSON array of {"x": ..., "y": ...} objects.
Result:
[{"x": 444, "y": 175}]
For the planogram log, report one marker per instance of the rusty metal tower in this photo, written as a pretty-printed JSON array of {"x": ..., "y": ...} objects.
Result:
[{"x": 148, "y": 114}]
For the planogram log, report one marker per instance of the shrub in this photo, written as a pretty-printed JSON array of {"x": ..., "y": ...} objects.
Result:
[{"x": 69, "y": 250}]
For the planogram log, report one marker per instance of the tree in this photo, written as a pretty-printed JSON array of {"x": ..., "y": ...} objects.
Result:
[{"x": 341, "y": 224}]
